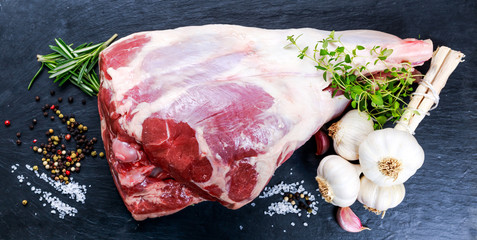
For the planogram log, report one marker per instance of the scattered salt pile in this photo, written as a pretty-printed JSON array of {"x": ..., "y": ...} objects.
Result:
[
  {"x": 74, "y": 190},
  {"x": 285, "y": 207}
]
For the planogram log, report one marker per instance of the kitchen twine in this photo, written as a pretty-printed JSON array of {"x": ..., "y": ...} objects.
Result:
[{"x": 434, "y": 97}]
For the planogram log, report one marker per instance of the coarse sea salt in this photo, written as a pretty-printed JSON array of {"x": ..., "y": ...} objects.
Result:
[
  {"x": 284, "y": 207},
  {"x": 55, "y": 203},
  {"x": 74, "y": 190}
]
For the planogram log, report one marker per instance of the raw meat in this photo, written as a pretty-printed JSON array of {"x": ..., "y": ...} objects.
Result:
[{"x": 209, "y": 112}]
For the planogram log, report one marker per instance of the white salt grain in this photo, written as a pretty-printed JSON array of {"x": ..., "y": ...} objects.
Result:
[
  {"x": 241, "y": 227},
  {"x": 305, "y": 224},
  {"x": 292, "y": 223},
  {"x": 20, "y": 178},
  {"x": 252, "y": 204}
]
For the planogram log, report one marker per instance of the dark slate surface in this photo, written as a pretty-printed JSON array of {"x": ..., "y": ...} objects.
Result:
[{"x": 441, "y": 201}]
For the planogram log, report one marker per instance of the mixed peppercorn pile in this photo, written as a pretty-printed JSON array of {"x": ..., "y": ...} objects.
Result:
[{"x": 58, "y": 157}]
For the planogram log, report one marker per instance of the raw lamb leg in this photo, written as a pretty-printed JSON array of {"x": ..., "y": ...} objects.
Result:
[{"x": 209, "y": 112}]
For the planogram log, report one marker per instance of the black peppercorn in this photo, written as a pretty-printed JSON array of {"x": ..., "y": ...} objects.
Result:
[
  {"x": 83, "y": 101},
  {"x": 31, "y": 127},
  {"x": 37, "y": 98},
  {"x": 19, "y": 134},
  {"x": 70, "y": 99},
  {"x": 45, "y": 114},
  {"x": 47, "y": 106},
  {"x": 94, "y": 139},
  {"x": 60, "y": 99},
  {"x": 34, "y": 121},
  {"x": 19, "y": 142},
  {"x": 52, "y": 118},
  {"x": 52, "y": 93},
  {"x": 308, "y": 202}
]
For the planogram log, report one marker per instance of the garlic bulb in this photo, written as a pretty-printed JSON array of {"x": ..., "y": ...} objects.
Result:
[
  {"x": 389, "y": 156},
  {"x": 349, "y": 132},
  {"x": 379, "y": 199},
  {"x": 338, "y": 180}
]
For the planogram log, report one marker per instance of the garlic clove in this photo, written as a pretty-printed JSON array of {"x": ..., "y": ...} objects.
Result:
[
  {"x": 349, "y": 132},
  {"x": 322, "y": 142},
  {"x": 348, "y": 220}
]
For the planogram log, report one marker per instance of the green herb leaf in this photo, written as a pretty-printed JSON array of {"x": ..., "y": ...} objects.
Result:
[
  {"x": 380, "y": 97},
  {"x": 76, "y": 65}
]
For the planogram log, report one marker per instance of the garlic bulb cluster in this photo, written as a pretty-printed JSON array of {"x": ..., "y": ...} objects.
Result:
[
  {"x": 338, "y": 180},
  {"x": 379, "y": 199},
  {"x": 389, "y": 156},
  {"x": 349, "y": 132}
]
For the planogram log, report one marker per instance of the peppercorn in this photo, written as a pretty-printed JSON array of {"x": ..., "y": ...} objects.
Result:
[
  {"x": 60, "y": 99},
  {"x": 57, "y": 112},
  {"x": 7, "y": 123},
  {"x": 19, "y": 142},
  {"x": 52, "y": 118},
  {"x": 35, "y": 148},
  {"x": 70, "y": 99},
  {"x": 93, "y": 153},
  {"x": 34, "y": 121},
  {"x": 45, "y": 114},
  {"x": 52, "y": 107},
  {"x": 308, "y": 202},
  {"x": 51, "y": 131},
  {"x": 19, "y": 134},
  {"x": 78, "y": 164},
  {"x": 35, "y": 168},
  {"x": 307, "y": 197},
  {"x": 292, "y": 202},
  {"x": 309, "y": 210},
  {"x": 67, "y": 137},
  {"x": 24, "y": 202},
  {"x": 285, "y": 199},
  {"x": 31, "y": 127},
  {"x": 37, "y": 98},
  {"x": 60, "y": 116},
  {"x": 302, "y": 195},
  {"x": 62, "y": 119},
  {"x": 85, "y": 128},
  {"x": 83, "y": 101}
]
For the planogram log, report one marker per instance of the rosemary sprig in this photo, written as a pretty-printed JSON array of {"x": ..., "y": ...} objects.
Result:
[
  {"x": 73, "y": 65},
  {"x": 382, "y": 97}
]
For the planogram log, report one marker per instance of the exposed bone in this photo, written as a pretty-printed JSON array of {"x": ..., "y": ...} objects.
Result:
[{"x": 443, "y": 63}]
